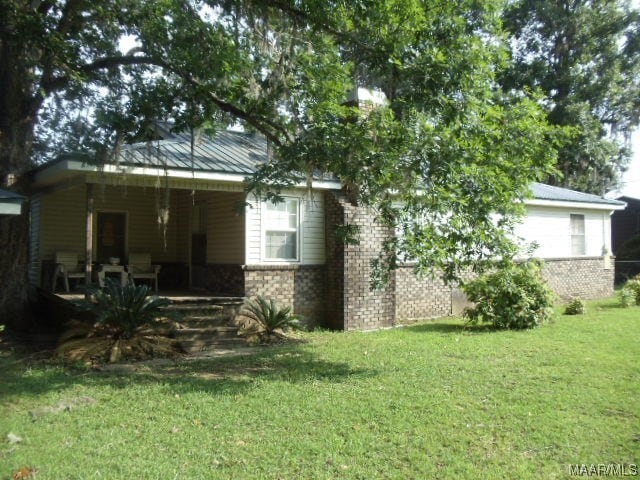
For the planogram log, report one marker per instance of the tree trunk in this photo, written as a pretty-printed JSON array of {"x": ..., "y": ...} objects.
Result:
[{"x": 14, "y": 264}]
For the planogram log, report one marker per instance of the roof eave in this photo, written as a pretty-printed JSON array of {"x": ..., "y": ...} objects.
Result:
[
  {"x": 577, "y": 205},
  {"x": 62, "y": 169}
]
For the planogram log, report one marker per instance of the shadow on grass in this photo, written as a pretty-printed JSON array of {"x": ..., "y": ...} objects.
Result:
[
  {"x": 441, "y": 327},
  {"x": 215, "y": 376}
]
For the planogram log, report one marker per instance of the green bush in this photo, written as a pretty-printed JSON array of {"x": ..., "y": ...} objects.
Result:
[
  {"x": 126, "y": 326},
  {"x": 627, "y": 297},
  {"x": 263, "y": 321},
  {"x": 514, "y": 297},
  {"x": 575, "y": 307},
  {"x": 630, "y": 293}
]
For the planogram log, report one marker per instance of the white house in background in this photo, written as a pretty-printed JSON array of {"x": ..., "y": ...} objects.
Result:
[
  {"x": 289, "y": 251},
  {"x": 10, "y": 203}
]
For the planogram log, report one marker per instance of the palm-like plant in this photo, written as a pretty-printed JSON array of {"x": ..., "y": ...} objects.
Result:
[
  {"x": 264, "y": 320},
  {"x": 127, "y": 326}
]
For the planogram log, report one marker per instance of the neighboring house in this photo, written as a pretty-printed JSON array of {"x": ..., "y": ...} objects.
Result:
[
  {"x": 10, "y": 203},
  {"x": 288, "y": 251},
  {"x": 625, "y": 225}
]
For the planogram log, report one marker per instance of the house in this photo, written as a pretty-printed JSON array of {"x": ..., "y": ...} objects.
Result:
[
  {"x": 187, "y": 211},
  {"x": 625, "y": 239},
  {"x": 10, "y": 203}
]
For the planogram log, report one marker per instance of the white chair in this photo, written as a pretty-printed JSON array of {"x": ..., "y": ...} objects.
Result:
[
  {"x": 140, "y": 267},
  {"x": 67, "y": 266}
]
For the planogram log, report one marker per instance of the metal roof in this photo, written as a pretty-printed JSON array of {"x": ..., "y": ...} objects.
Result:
[
  {"x": 547, "y": 192},
  {"x": 7, "y": 195},
  {"x": 226, "y": 152}
]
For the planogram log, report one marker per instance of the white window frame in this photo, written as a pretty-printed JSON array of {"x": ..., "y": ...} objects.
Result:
[
  {"x": 573, "y": 217},
  {"x": 267, "y": 228}
]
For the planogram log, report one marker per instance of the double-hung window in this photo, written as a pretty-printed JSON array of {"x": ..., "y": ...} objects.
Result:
[
  {"x": 281, "y": 233},
  {"x": 578, "y": 245}
]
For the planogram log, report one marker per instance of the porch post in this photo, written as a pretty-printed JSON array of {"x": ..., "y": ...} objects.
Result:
[{"x": 88, "y": 266}]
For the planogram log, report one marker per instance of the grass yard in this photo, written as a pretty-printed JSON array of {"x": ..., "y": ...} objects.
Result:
[{"x": 427, "y": 401}]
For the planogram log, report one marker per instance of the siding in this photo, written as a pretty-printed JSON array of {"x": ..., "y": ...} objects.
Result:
[
  {"x": 63, "y": 220},
  {"x": 35, "y": 263},
  {"x": 143, "y": 232},
  {"x": 312, "y": 233},
  {"x": 550, "y": 228},
  {"x": 225, "y": 228},
  {"x": 183, "y": 226}
]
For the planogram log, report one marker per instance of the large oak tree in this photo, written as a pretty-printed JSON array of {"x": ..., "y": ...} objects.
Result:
[
  {"x": 448, "y": 154},
  {"x": 585, "y": 56}
]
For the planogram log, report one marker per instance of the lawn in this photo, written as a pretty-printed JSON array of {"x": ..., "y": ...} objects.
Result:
[{"x": 433, "y": 400}]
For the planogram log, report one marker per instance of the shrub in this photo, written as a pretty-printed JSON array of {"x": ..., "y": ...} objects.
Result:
[
  {"x": 575, "y": 307},
  {"x": 127, "y": 326},
  {"x": 514, "y": 297},
  {"x": 631, "y": 293},
  {"x": 264, "y": 321},
  {"x": 627, "y": 297}
]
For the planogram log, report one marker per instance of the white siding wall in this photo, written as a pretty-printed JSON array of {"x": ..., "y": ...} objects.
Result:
[
  {"x": 311, "y": 232},
  {"x": 550, "y": 228}
]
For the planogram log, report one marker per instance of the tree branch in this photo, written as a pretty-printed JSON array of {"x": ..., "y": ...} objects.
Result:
[{"x": 58, "y": 83}]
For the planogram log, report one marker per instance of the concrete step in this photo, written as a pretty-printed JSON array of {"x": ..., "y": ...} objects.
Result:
[
  {"x": 211, "y": 333},
  {"x": 195, "y": 346}
]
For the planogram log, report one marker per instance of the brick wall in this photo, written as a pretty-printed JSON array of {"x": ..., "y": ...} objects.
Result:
[
  {"x": 298, "y": 286},
  {"x": 223, "y": 279},
  {"x": 334, "y": 267},
  {"x": 418, "y": 298},
  {"x": 579, "y": 277},
  {"x": 349, "y": 269}
]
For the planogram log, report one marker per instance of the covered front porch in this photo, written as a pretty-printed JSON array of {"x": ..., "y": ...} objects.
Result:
[{"x": 197, "y": 237}]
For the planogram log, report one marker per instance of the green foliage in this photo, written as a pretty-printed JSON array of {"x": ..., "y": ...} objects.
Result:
[
  {"x": 585, "y": 57},
  {"x": 515, "y": 296},
  {"x": 575, "y": 307},
  {"x": 626, "y": 297},
  {"x": 127, "y": 326},
  {"x": 264, "y": 321},
  {"x": 124, "y": 308},
  {"x": 630, "y": 292}
]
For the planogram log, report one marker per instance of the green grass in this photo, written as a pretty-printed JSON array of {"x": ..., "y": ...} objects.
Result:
[{"x": 428, "y": 401}]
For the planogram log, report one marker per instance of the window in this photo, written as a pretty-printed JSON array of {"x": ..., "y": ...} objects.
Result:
[
  {"x": 578, "y": 246},
  {"x": 281, "y": 230}
]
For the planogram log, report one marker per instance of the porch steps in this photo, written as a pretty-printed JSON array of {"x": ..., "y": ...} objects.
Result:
[{"x": 207, "y": 323}]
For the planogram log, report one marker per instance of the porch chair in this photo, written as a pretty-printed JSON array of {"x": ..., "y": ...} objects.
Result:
[
  {"x": 67, "y": 266},
  {"x": 139, "y": 266}
]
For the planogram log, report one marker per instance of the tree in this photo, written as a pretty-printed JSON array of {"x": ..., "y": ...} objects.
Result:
[
  {"x": 585, "y": 57},
  {"x": 449, "y": 146}
]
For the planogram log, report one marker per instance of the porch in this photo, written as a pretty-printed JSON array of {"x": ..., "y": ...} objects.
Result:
[
  {"x": 205, "y": 323},
  {"x": 196, "y": 237}
]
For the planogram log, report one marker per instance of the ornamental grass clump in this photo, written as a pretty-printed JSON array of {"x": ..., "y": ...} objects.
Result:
[
  {"x": 515, "y": 296},
  {"x": 127, "y": 324},
  {"x": 630, "y": 292},
  {"x": 263, "y": 321}
]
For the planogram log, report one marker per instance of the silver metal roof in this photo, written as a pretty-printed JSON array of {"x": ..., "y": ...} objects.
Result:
[
  {"x": 547, "y": 192},
  {"x": 226, "y": 152}
]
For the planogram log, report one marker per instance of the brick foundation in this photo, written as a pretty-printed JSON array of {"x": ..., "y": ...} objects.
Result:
[
  {"x": 418, "y": 298},
  {"x": 298, "y": 286},
  {"x": 586, "y": 278},
  {"x": 223, "y": 279}
]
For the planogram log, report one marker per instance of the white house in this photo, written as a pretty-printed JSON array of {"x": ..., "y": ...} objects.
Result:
[{"x": 189, "y": 213}]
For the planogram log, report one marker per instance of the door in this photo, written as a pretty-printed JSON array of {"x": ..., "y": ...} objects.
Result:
[
  {"x": 198, "y": 245},
  {"x": 111, "y": 238}
]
